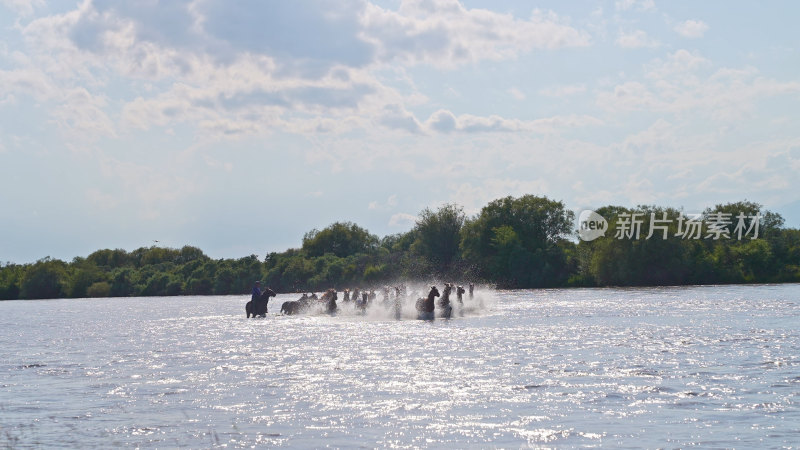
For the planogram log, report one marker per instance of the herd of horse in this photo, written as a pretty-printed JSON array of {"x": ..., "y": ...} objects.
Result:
[{"x": 426, "y": 307}]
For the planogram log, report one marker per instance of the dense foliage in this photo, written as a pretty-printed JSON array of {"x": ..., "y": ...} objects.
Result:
[
  {"x": 512, "y": 242},
  {"x": 774, "y": 256},
  {"x": 519, "y": 242}
]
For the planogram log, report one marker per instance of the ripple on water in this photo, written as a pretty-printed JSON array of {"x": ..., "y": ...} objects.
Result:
[{"x": 710, "y": 366}]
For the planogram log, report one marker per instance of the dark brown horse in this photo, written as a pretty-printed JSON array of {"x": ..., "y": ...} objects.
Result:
[
  {"x": 258, "y": 306},
  {"x": 296, "y": 306},
  {"x": 460, "y": 294},
  {"x": 328, "y": 299},
  {"x": 362, "y": 302},
  {"x": 398, "y": 302},
  {"x": 426, "y": 305},
  {"x": 444, "y": 302}
]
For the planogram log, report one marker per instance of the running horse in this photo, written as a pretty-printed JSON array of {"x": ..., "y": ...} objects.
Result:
[
  {"x": 425, "y": 305},
  {"x": 295, "y": 306},
  {"x": 444, "y": 302},
  {"x": 328, "y": 299}
]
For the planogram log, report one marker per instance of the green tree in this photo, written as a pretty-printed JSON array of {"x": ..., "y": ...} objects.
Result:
[
  {"x": 518, "y": 241},
  {"x": 10, "y": 278},
  {"x": 122, "y": 282},
  {"x": 374, "y": 274},
  {"x": 341, "y": 239},
  {"x": 400, "y": 242},
  {"x": 328, "y": 272},
  {"x": 247, "y": 271},
  {"x": 155, "y": 285},
  {"x": 438, "y": 235},
  {"x": 99, "y": 289},
  {"x": 223, "y": 282},
  {"x": 769, "y": 223},
  {"x": 510, "y": 263},
  {"x": 81, "y": 279},
  {"x": 785, "y": 248},
  {"x": 45, "y": 279},
  {"x": 754, "y": 260},
  {"x": 623, "y": 260},
  {"x": 111, "y": 259},
  {"x": 297, "y": 273},
  {"x": 188, "y": 254}
]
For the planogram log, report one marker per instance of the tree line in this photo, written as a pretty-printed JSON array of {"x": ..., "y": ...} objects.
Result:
[{"x": 513, "y": 242}]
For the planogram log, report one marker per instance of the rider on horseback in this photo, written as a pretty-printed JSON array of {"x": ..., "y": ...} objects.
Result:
[{"x": 256, "y": 291}]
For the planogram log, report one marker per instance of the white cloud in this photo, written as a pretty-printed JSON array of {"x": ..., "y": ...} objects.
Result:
[
  {"x": 475, "y": 195},
  {"x": 683, "y": 83},
  {"x": 494, "y": 123},
  {"x": 396, "y": 117},
  {"x": 641, "y": 5},
  {"x": 444, "y": 33},
  {"x": 438, "y": 32},
  {"x": 639, "y": 189},
  {"x": 81, "y": 115},
  {"x": 29, "y": 80},
  {"x": 151, "y": 191},
  {"x": 24, "y": 8},
  {"x": 250, "y": 80},
  {"x": 635, "y": 39},
  {"x": 516, "y": 93},
  {"x": 444, "y": 121},
  {"x": 563, "y": 90},
  {"x": 101, "y": 199},
  {"x": 216, "y": 164},
  {"x": 691, "y": 29},
  {"x": 402, "y": 220},
  {"x": 390, "y": 203},
  {"x": 630, "y": 95},
  {"x": 681, "y": 64}
]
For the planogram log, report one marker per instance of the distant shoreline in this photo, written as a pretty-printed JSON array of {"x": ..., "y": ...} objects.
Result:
[{"x": 513, "y": 243}]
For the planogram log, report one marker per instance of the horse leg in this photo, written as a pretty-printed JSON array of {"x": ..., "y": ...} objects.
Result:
[{"x": 447, "y": 312}]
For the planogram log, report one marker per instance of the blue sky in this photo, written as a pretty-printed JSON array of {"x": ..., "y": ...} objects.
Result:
[{"x": 237, "y": 127}]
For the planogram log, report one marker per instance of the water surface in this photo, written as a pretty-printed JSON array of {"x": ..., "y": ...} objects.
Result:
[{"x": 715, "y": 366}]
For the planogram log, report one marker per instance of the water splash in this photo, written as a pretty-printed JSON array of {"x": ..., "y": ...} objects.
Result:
[{"x": 403, "y": 307}]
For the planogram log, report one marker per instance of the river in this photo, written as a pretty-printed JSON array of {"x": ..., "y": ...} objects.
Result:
[{"x": 711, "y": 366}]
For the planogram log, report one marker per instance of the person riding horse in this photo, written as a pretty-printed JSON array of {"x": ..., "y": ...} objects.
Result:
[{"x": 257, "y": 306}]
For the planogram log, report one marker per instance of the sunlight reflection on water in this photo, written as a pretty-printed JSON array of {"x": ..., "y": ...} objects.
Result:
[{"x": 711, "y": 366}]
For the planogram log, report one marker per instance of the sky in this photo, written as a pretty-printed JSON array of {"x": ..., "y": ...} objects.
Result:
[{"x": 238, "y": 126}]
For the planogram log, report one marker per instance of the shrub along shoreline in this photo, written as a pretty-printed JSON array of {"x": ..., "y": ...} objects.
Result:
[{"x": 522, "y": 242}]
